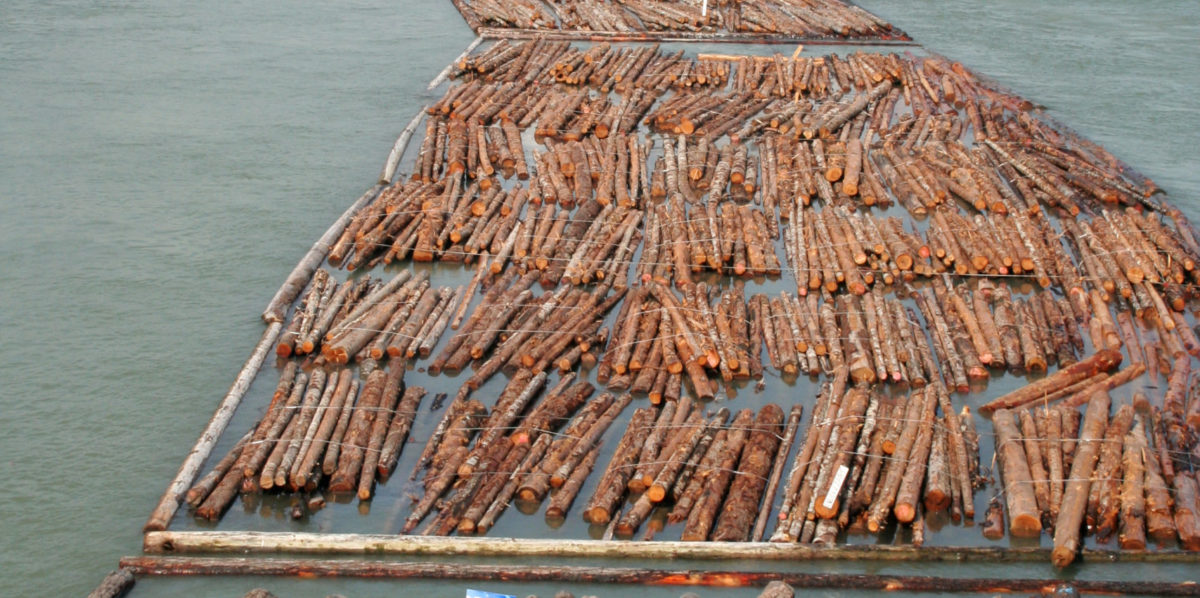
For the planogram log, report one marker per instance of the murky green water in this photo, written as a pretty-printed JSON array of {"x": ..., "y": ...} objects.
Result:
[{"x": 163, "y": 166}]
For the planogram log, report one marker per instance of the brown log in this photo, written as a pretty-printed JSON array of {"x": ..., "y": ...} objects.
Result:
[
  {"x": 848, "y": 424},
  {"x": 586, "y": 442},
  {"x": 537, "y": 485},
  {"x": 611, "y": 486},
  {"x": 385, "y": 411},
  {"x": 1132, "y": 533},
  {"x": 397, "y": 433},
  {"x": 114, "y": 585},
  {"x": 204, "y": 486},
  {"x": 1070, "y": 518},
  {"x": 885, "y": 499},
  {"x": 1101, "y": 361},
  {"x": 909, "y": 493},
  {"x": 1104, "y": 494},
  {"x": 938, "y": 492},
  {"x": 703, "y": 515},
  {"x": 674, "y": 463},
  {"x": 494, "y": 481},
  {"x": 537, "y": 450},
  {"x": 560, "y": 402},
  {"x": 737, "y": 514},
  {"x": 1187, "y": 510},
  {"x": 333, "y": 446},
  {"x": 308, "y": 568},
  {"x": 560, "y": 503},
  {"x": 785, "y": 448},
  {"x": 1023, "y": 515}
]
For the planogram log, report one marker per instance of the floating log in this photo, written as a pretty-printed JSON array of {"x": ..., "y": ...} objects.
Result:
[
  {"x": 1100, "y": 361},
  {"x": 114, "y": 585},
  {"x": 1074, "y": 505},
  {"x": 160, "y": 565}
]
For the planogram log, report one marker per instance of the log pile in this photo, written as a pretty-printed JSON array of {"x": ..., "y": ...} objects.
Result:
[{"x": 823, "y": 19}]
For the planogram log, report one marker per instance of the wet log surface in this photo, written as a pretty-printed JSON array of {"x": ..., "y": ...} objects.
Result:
[{"x": 627, "y": 226}]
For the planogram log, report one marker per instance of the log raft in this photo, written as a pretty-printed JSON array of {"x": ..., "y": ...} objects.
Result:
[{"x": 599, "y": 266}]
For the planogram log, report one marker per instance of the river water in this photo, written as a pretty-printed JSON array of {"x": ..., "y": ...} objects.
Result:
[{"x": 163, "y": 166}]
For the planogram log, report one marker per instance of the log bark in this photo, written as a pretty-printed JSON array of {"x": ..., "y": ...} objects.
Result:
[
  {"x": 1101, "y": 361},
  {"x": 114, "y": 585},
  {"x": 1024, "y": 520},
  {"x": 612, "y": 484},
  {"x": 737, "y": 514},
  {"x": 1067, "y": 528}
]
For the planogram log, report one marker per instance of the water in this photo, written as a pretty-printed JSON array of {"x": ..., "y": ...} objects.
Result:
[{"x": 163, "y": 166}]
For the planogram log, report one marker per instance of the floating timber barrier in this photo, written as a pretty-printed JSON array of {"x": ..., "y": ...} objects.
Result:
[
  {"x": 879, "y": 243},
  {"x": 215, "y": 542},
  {"x": 154, "y": 565}
]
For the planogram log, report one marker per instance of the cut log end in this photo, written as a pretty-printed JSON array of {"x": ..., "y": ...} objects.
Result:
[
  {"x": 1062, "y": 556},
  {"x": 1025, "y": 525}
]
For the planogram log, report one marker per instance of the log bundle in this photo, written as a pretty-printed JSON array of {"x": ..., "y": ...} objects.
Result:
[
  {"x": 368, "y": 319},
  {"x": 1120, "y": 473},
  {"x": 325, "y": 430},
  {"x": 633, "y": 223},
  {"x": 823, "y": 19},
  {"x": 868, "y": 460}
]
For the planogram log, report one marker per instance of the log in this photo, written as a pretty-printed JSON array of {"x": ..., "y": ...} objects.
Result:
[
  {"x": 703, "y": 514},
  {"x": 397, "y": 433},
  {"x": 536, "y": 451},
  {"x": 1024, "y": 520},
  {"x": 1103, "y": 360},
  {"x": 908, "y": 494},
  {"x": 333, "y": 447},
  {"x": 785, "y": 449},
  {"x": 1132, "y": 533},
  {"x": 1037, "y": 469},
  {"x": 848, "y": 424},
  {"x": 611, "y": 486},
  {"x": 1070, "y": 518},
  {"x": 202, "y": 488},
  {"x": 675, "y": 461},
  {"x": 745, "y": 493},
  {"x": 114, "y": 585},
  {"x": 190, "y": 468},
  {"x": 309, "y": 568},
  {"x": 354, "y": 443},
  {"x": 1104, "y": 494}
]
